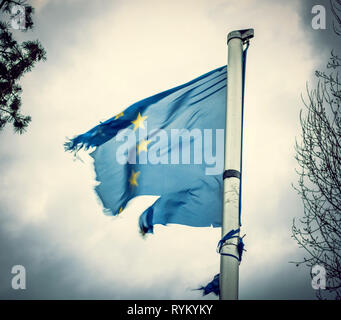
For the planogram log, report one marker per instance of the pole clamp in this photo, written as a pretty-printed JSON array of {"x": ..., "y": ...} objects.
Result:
[
  {"x": 231, "y": 173},
  {"x": 245, "y": 35}
]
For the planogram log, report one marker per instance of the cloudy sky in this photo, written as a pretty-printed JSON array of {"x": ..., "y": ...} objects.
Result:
[{"x": 101, "y": 57}]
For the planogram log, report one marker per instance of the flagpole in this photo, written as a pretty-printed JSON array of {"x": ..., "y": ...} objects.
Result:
[{"x": 229, "y": 264}]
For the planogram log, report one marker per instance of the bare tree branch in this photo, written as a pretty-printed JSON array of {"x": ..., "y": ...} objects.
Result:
[
  {"x": 318, "y": 154},
  {"x": 336, "y": 10}
]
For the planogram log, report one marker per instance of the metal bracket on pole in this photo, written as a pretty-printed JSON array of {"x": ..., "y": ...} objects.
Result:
[{"x": 245, "y": 35}]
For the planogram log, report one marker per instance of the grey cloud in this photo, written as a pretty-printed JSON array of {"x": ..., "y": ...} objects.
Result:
[
  {"x": 322, "y": 40},
  {"x": 55, "y": 271}
]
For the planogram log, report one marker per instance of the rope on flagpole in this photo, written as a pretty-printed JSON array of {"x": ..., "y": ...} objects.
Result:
[{"x": 224, "y": 242}]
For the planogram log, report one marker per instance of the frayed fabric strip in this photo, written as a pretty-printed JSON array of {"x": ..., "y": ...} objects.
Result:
[
  {"x": 240, "y": 246},
  {"x": 212, "y": 286}
]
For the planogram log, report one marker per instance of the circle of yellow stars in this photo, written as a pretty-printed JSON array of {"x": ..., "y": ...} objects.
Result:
[{"x": 142, "y": 146}]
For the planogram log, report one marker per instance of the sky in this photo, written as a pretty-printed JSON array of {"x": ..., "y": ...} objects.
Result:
[{"x": 103, "y": 56}]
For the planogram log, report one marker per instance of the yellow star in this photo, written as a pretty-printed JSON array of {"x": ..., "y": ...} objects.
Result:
[
  {"x": 138, "y": 122},
  {"x": 133, "y": 178},
  {"x": 121, "y": 209},
  {"x": 143, "y": 146},
  {"x": 119, "y": 115}
]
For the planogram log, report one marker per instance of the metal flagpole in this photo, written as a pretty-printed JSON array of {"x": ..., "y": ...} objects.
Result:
[{"x": 229, "y": 263}]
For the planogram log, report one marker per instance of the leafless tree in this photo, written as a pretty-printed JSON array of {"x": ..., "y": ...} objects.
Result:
[
  {"x": 335, "y": 6},
  {"x": 318, "y": 154}
]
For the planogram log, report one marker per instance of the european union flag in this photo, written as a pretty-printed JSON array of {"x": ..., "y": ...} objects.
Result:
[{"x": 169, "y": 145}]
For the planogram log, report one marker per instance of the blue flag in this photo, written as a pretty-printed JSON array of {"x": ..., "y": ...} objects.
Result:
[{"x": 170, "y": 145}]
